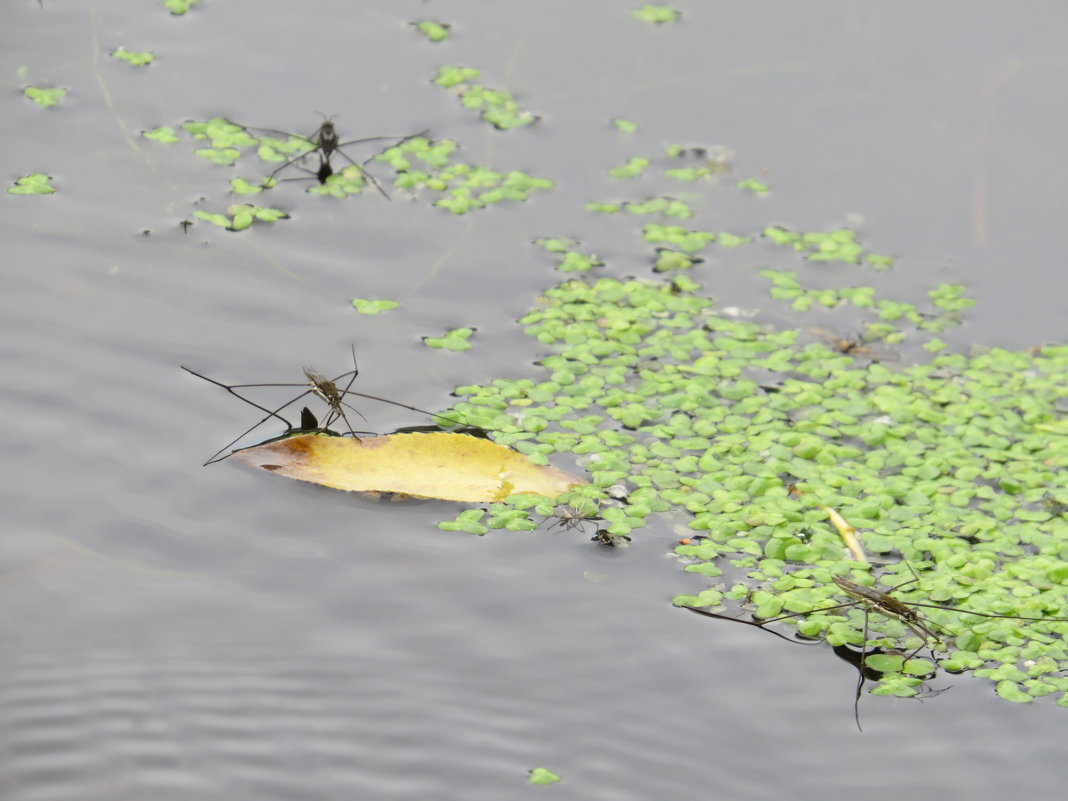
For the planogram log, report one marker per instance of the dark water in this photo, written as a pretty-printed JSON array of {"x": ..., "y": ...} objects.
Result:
[{"x": 177, "y": 633}]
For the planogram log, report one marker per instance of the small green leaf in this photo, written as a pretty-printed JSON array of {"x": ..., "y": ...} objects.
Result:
[
  {"x": 267, "y": 214},
  {"x": 33, "y": 184},
  {"x": 753, "y": 185},
  {"x": 433, "y": 30},
  {"x": 44, "y": 96},
  {"x": 469, "y": 520},
  {"x": 136, "y": 59},
  {"x": 459, "y": 203},
  {"x": 556, "y": 244},
  {"x": 669, "y": 260},
  {"x": 456, "y": 339},
  {"x": 164, "y": 134},
  {"x": 224, "y": 156},
  {"x": 220, "y": 220},
  {"x": 242, "y": 218},
  {"x": 449, "y": 76},
  {"x": 366, "y": 306},
  {"x": 575, "y": 262},
  {"x": 732, "y": 240},
  {"x": 632, "y": 169},
  {"x": 543, "y": 776},
  {"x": 625, "y": 126},
  {"x": 179, "y": 7},
  {"x": 884, "y": 663},
  {"x": 239, "y": 186},
  {"x": 604, "y": 208},
  {"x": 1010, "y": 691},
  {"x": 656, "y": 15}
]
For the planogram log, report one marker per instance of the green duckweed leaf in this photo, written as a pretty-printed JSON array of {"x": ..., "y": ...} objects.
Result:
[
  {"x": 753, "y": 185},
  {"x": 165, "y": 135},
  {"x": 44, "y": 96},
  {"x": 543, "y": 776},
  {"x": 135, "y": 59},
  {"x": 574, "y": 262},
  {"x": 449, "y": 76},
  {"x": 656, "y": 14},
  {"x": 239, "y": 186},
  {"x": 632, "y": 169},
  {"x": 371, "y": 307},
  {"x": 33, "y": 184},
  {"x": 215, "y": 219},
  {"x": 433, "y": 30},
  {"x": 495, "y": 106},
  {"x": 669, "y": 260},
  {"x": 239, "y": 216},
  {"x": 179, "y": 7},
  {"x": 457, "y": 339},
  {"x": 1011, "y": 691}
]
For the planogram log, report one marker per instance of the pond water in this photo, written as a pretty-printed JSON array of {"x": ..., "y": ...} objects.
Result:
[{"x": 179, "y": 632}]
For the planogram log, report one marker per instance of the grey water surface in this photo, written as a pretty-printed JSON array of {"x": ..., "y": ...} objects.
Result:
[{"x": 178, "y": 632}]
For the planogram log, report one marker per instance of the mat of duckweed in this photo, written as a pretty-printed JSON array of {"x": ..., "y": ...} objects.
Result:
[
  {"x": 743, "y": 428},
  {"x": 744, "y": 434}
]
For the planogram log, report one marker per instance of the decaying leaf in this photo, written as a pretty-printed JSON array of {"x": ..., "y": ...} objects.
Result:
[{"x": 452, "y": 467}]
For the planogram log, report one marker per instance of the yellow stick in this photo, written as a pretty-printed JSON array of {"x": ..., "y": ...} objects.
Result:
[{"x": 847, "y": 533}]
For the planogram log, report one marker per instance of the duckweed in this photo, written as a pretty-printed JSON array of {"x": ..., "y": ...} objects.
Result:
[{"x": 744, "y": 433}]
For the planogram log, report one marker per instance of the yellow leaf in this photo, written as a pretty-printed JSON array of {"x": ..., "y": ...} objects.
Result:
[{"x": 453, "y": 467}]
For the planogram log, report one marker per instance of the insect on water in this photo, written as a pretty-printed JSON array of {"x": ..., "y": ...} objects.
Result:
[
  {"x": 886, "y": 605},
  {"x": 325, "y": 389},
  {"x": 325, "y": 142},
  {"x": 609, "y": 540},
  {"x": 568, "y": 517},
  {"x": 575, "y": 512},
  {"x": 855, "y": 345}
]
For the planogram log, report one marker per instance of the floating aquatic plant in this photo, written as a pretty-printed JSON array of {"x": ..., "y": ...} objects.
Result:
[
  {"x": 179, "y": 7},
  {"x": 433, "y": 30},
  {"x": 656, "y": 14},
  {"x": 240, "y": 216},
  {"x": 33, "y": 184},
  {"x": 45, "y": 96},
  {"x": 456, "y": 339},
  {"x": 133, "y": 58},
  {"x": 371, "y": 307},
  {"x": 419, "y": 164},
  {"x": 164, "y": 134},
  {"x": 495, "y": 106},
  {"x": 744, "y": 432}
]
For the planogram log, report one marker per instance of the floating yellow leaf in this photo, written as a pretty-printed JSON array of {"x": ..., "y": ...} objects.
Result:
[{"x": 453, "y": 467}]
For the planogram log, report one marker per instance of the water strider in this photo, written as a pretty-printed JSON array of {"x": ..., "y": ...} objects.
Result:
[
  {"x": 882, "y": 603},
  {"x": 325, "y": 141},
  {"x": 326, "y": 389},
  {"x": 568, "y": 518},
  {"x": 887, "y": 605}
]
